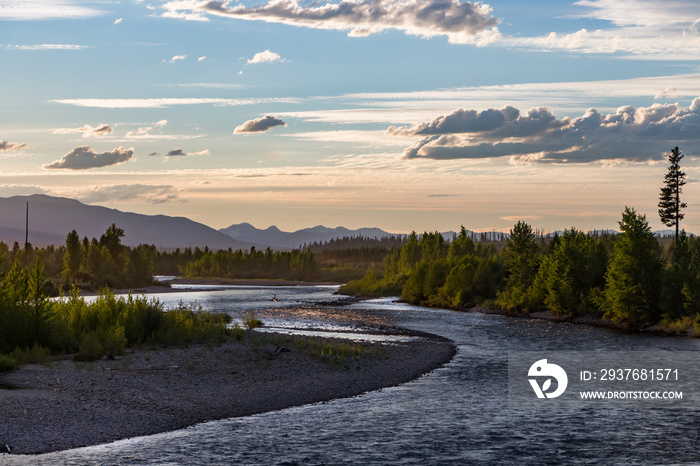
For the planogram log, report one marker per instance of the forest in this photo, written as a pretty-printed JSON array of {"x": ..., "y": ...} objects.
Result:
[{"x": 629, "y": 278}]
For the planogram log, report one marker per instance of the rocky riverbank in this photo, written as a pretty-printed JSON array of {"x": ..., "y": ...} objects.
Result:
[{"x": 69, "y": 404}]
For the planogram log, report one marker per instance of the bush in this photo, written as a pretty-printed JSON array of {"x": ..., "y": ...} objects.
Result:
[
  {"x": 7, "y": 363},
  {"x": 90, "y": 348},
  {"x": 237, "y": 333},
  {"x": 250, "y": 320}
]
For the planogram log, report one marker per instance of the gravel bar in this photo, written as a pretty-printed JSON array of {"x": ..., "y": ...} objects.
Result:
[{"x": 70, "y": 404}]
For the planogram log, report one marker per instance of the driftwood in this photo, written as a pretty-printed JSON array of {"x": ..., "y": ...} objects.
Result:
[{"x": 273, "y": 353}]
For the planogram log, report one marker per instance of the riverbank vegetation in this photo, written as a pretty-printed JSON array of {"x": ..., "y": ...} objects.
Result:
[
  {"x": 629, "y": 279},
  {"x": 33, "y": 326},
  {"x": 107, "y": 263}
]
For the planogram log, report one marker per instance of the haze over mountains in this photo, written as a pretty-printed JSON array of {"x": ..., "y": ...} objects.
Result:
[{"x": 52, "y": 218}]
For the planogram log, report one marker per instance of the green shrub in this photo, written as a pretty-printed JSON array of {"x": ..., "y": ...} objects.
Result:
[
  {"x": 7, "y": 363},
  {"x": 250, "y": 320},
  {"x": 114, "y": 342},
  {"x": 237, "y": 333},
  {"x": 90, "y": 348},
  {"x": 34, "y": 355}
]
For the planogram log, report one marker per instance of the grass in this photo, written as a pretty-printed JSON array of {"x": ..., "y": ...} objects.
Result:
[{"x": 18, "y": 357}]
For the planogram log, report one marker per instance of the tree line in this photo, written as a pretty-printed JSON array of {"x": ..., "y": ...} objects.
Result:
[{"x": 627, "y": 278}]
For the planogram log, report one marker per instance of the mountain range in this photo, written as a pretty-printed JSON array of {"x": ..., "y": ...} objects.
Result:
[
  {"x": 52, "y": 218},
  {"x": 278, "y": 239}
]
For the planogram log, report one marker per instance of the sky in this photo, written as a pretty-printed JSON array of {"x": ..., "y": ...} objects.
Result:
[{"x": 405, "y": 115}]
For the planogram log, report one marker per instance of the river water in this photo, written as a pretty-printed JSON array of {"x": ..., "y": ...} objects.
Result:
[{"x": 458, "y": 414}]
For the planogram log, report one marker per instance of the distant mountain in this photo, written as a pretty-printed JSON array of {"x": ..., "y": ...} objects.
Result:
[
  {"x": 52, "y": 218},
  {"x": 275, "y": 238}
]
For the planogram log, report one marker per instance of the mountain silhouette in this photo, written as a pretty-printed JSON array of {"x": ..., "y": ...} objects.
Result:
[
  {"x": 52, "y": 218},
  {"x": 275, "y": 238}
]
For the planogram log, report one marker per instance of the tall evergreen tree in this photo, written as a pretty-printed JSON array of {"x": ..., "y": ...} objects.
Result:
[
  {"x": 73, "y": 256},
  {"x": 633, "y": 279},
  {"x": 670, "y": 204},
  {"x": 521, "y": 260}
]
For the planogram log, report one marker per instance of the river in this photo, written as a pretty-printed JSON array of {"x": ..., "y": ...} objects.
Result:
[{"x": 457, "y": 414}]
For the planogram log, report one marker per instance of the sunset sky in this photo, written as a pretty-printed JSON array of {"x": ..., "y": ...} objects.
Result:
[{"x": 399, "y": 114}]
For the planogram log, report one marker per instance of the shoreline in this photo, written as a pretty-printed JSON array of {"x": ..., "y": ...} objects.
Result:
[
  {"x": 588, "y": 320},
  {"x": 70, "y": 405},
  {"x": 223, "y": 282}
]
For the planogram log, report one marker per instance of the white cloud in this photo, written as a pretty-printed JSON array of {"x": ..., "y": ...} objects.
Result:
[
  {"x": 155, "y": 132},
  {"x": 154, "y": 194},
  {"x": 83, "y": 158},
  {"x": 87, "y": 130},
  {"x": 118, "y": 20},
  {"x": 168, "y": 102},
  {"x": 175, "y": 59},
  {"x": 39, "y": 10},
  {"x": 259, "y": 125},
  {"x": 630, "y": 134},
  {"x": 265, "y": 57},
  {"x": 11, "y": 146},
  {"x": 212, "y": 85},
  {"x": 668, "y": 93},
  {"x": 202, "y": 58},
  {"x": 564, "y": 98},
  {"x": 46, "y": 47},
  {"x": 648, "y": 29},
  {"x": 461, "y": 22},
  {"x": 7, "y": 190}
]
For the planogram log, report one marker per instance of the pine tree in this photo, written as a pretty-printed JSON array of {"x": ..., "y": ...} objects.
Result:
[
  {"x": 633, "y": 279},
  {"x": 670, "y": 204},
  {"x": 73, "y": 257}
]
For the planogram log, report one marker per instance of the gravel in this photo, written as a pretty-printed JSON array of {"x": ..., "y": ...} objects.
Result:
[{"x": 71, "y": 404}]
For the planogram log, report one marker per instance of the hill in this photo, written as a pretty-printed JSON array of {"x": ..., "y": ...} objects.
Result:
[{"x": 52, "y": 218}]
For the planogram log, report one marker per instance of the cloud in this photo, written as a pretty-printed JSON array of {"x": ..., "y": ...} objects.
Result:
[
  {"x": 212, "y": 85},
  {"x": 170, "y": 102},
  {"x": 11, "y": 146},
  {"x": 39, "y": 10},
  {"x": 7, "y": 190},
  {"x": 180, "y": 152},
  {"x": 647, "y": 29},
  {"x": 118, "y": 20},
  {"x": 155, "y": 194},
  {"x": 460, "y": 22},
  {"x": 46, "y": 47},
  {"x": 87, "y": 130},
  {"x": 631, "y": 134},
  {"x": 259, "y": 125},
  {"x": 154, "y": 131},
  {"x": 202, "y": 58},
  {"x": 516, "y": 218},
  {"x": 83, "y": 158},
  {"x": 504, "y": 122},
  {"x": 265, "y": 57},
  {"x": 176, "y": 58},
  {"x": 668, "y": 93}
]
